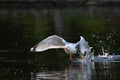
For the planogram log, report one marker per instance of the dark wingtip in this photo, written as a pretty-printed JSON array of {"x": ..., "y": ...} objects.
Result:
[{"x": 32, "y": 49}]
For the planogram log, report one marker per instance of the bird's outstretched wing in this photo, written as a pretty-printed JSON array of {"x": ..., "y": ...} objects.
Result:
[
  {"x": 53, "y": 41},
  {"x": 84, "y": 43},
  {"x": 84, "y": 47}
]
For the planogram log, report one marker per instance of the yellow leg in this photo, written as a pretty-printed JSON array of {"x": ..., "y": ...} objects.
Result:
[
  {"x": 81, "y": 56},
  {"x": 70, "y": 57}
]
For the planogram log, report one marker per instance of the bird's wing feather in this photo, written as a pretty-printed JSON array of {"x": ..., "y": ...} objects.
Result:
[
  {"x": 53, "y": 41},
  {"x": 84, "y": 43}
]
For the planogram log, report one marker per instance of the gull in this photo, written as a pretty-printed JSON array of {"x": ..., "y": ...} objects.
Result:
[{"x": 54, "y": 42}]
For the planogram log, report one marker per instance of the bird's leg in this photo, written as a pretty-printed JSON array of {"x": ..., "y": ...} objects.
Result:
[
  {"x": 70, "y": 57},
  {"x": 81, "y": 57}
]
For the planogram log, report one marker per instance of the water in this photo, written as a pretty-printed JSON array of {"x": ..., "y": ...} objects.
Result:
[
  {"x": 21, "y": 28},
  {"x": 35, "y": 66}
]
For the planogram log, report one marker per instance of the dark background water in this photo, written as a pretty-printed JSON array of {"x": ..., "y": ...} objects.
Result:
[{"x": 21, "y": 28}]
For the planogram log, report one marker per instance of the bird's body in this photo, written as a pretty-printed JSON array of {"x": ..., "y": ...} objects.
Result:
[
  {"x": 55, "y": 41},
  {"x": 71, "y": 48}
]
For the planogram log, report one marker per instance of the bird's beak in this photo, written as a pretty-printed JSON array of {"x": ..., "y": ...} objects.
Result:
[{"x": 65, "y": 49}]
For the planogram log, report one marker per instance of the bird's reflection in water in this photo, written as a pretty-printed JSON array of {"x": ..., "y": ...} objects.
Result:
[
  {"x": 81, "y": 71},
  {"x": 74, "y": 71}
]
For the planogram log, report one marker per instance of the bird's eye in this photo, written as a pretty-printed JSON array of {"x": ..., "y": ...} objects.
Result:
[{"x": 76, "y": 47}]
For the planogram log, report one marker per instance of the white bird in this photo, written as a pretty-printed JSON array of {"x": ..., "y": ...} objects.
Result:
[{"x": 55, "y": 41}]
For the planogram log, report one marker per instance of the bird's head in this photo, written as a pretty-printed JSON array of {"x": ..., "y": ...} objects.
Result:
[{"x": 71, "y": 48}]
